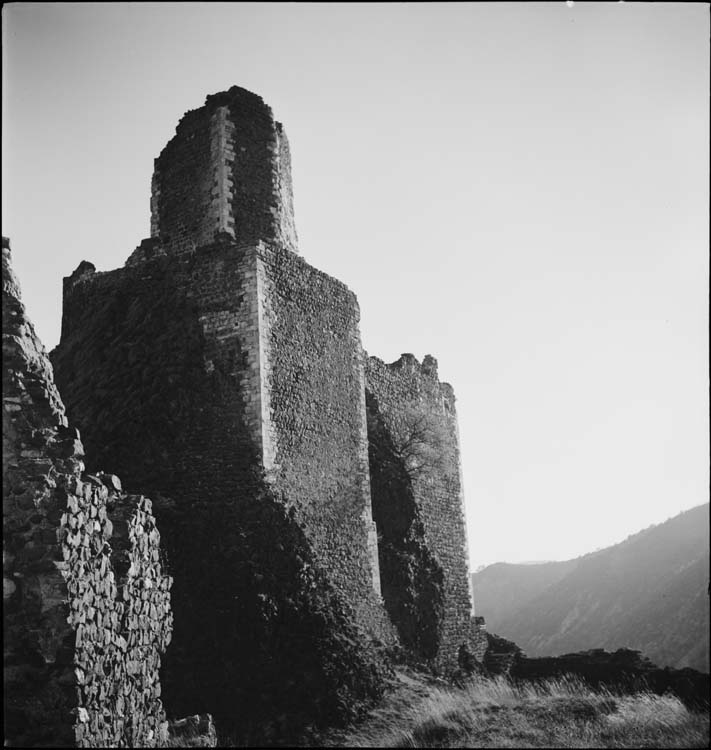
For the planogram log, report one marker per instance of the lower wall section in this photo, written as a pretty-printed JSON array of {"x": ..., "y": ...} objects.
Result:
[
  {"x": 418, "y": 506},
  {"x": 119, "y": 610},
  {"x": 207, "y": 381},
  {"x": 87, "y": 625},
  {"x": 86, "y": 604},
  {"x": 262, "y": 639}
]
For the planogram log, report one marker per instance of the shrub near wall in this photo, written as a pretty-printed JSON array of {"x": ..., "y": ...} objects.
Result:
[
  {"x": 414, "y": 460},
  {"x": 411, "y": 579}
]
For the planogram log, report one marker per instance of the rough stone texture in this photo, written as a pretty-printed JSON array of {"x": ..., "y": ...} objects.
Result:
[
  {"x": 86, "y": 605},
  {"x": 220, "y": 370},
  {"x": 193, "y": 731},
  {"x": 500, "y": 654},
  {"x": 315, "y": 418},
  {"x": 259, "y": 353},
  {"x": 228, "y": 168},
  {"x": 193, "y": 374},
  {"x": 415, "y": 464},
  {"x": 157, "y": 360},
  {"x": 119, "y": 609}
]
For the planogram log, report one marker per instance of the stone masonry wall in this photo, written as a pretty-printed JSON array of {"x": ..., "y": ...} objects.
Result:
[
  {"x": 411, "y": 578},
  {"x": 154, "y": 347},
  {"x": 315, "y": 421},
  {"x": 223, "y": 375},
  {"x": 417, "y": 420},
  {"x": 228, "y": 168},
  {"x": 259, "y": 353},
  {"x": 159, "y": 361},
  {"x": 86, "y": 604},
  {"x": 183, "y": 372}
]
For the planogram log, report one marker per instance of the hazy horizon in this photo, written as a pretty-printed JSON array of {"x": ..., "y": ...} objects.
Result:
[
  {"x": 588, "y": 552},
  {"x": 520, "y": 190}
]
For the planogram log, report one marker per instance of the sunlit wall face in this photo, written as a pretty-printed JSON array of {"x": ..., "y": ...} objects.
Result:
[{"x": 520, "y": 190}]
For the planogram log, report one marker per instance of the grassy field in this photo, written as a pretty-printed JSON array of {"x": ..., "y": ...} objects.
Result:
[
  {"x": 494, "y": 713},
  {"x": 422, "y": 711}
]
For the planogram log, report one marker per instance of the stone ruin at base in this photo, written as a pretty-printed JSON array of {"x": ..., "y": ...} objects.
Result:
[
  {"x": 86, "y": 610},
  {"x": 223, "y": 376}
]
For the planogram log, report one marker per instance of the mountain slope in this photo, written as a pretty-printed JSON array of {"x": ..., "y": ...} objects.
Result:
[
  {"x": 501, "y": 588},
  {"x": 648, "y": 593}
]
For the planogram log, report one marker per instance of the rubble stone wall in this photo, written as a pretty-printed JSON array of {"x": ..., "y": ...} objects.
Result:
[
  {"x": 313, "y": 365},
  {"x": 260, "y": 354},
  {"x": 192, "y": 376},
  {"x": 86, "y": 603},
  {"x": 228, "y": 168},
  {"x": 223, "y": 375},
  {"x": 153, "y": 347},
  {"x": 416, "y": 420}
]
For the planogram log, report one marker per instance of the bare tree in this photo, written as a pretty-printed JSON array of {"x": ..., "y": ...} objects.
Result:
[{"x": 422, "y": 442}]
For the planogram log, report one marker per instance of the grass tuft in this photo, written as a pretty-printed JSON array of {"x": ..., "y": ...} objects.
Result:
[{"x": 559, "y": 712}]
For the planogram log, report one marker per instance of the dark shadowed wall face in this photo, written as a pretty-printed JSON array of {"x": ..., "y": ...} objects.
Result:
[
  {"x": 86, "y": 604},
  {"x": 152, "y": 362},
  {"x": 151, "y": 358},
  {"x": 418, "y": 507},
  {"x": 229, "y": 382},
  {"x": 410, "y": 577}
]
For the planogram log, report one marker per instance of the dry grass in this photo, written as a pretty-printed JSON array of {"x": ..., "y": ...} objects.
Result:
[
  {"x": 423, "y": 712},
  {"x": 495, "y": 713}
]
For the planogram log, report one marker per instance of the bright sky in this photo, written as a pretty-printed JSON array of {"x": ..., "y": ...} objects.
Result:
[{"x": 520, "y": 190}]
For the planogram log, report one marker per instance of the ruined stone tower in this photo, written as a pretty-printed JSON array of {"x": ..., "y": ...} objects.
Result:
[
  {"x": 228, "y": 169},
  {"x": 221, "y": 373}
]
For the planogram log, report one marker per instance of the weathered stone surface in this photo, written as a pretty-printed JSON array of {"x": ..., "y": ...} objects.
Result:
[
  {"x": 418, "y": 506},
  {"x": 314, "y": 428},
  {"x": 227, "y": 170},
  {"x": 82, "y": 640},
  {"x": 209, "y": 368},
  {"x": 220, "y": 370},
  {"x": 197, "y": 730}
]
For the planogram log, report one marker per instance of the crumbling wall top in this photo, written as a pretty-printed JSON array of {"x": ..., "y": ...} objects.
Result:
[{"x": 226, "y": 170}]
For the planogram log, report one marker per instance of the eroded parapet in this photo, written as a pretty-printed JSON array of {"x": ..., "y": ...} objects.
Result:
[
  {"x": 227, "y": 169},
  {"x": 86, "y": 604},
  {"x": 119, "y": 609},
  {"x": 418, "y": 505}
]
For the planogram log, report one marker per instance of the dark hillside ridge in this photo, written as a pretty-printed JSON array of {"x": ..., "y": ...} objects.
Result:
[
  {"x": 624, "y": 671},
  {"x": 648, "y": 593}
]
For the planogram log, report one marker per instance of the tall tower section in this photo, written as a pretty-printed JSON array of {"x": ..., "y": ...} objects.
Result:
[
  {"x": 227, "y": 169},
  {"x": 218, "y": 367},
  {"x": 222, "y": 374},
  {"x": 225, "y": 374}
]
